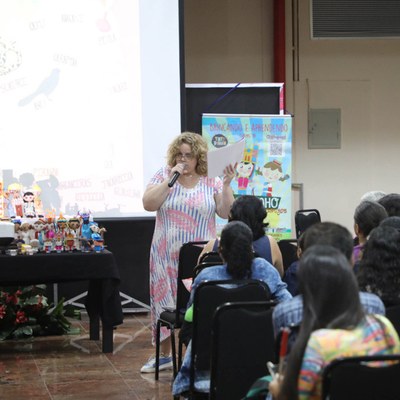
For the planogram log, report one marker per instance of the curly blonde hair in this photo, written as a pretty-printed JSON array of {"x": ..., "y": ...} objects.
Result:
[{"x": 198, "y": 147}]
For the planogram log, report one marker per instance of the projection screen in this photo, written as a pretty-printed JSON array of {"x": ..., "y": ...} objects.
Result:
[{"x": 89, "y": 100}]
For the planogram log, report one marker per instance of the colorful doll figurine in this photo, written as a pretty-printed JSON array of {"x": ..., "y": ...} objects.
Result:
[
  {"x": 62, "y": 225},
  {"x": 86, "y": 219},
  {"x": 17, "y": 229},
  {"x": 49, "y": 234},
  {"x": 49, "y": 230},
  {"x": 59, "y": 242},
  {"x": 94, "y": 228},
  {"x": 74, "y": 225},
  {"x": 97, "y": 242},
  {"x": 14, "y": 196},
  {"x": 8, "y": 206},
  {"x": 86, "y": 233},
  {"x": 17, "y": 235},
  {"x": 48, "y": 245},
  {"x": 69, "y": 242},
  {"x": 39, "y": 227},
  {"x": 25, "y": 230},
  {"x": 96, "y": 231},
  {"x": 29, "y": 205}
]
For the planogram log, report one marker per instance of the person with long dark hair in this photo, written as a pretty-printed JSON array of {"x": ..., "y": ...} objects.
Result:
[
  {"x": 236, "y": 250},
  {"x": 367, "y": 216},
  {"x": 379, "y": 270},
  {"x": 334, "y": 325},
  {"x": 250, "y": 210},
  {"x": 240, "y": 262}
]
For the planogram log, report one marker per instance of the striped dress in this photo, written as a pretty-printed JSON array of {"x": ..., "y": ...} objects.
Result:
[
  {"x": 326, "y": 345},
  {"x": 186, "y": 215}
]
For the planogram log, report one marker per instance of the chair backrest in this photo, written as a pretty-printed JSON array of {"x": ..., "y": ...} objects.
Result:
[
  {"x": 205, "y": 264},
  {"x": 211, "y": 256},
  {"x": 351, "y": 379},
  {"x": 288, "y": 248},
  {"x": 207, "y": 297},
  {"x": 188, "y": 256},
  {"x": 242, "y": 344},
  {"x": 304, "y": 219},
  {"x": 393, "y": 314}
]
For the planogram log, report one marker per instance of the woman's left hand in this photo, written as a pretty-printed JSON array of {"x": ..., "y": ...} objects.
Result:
[{"x": 229, "y": 174}]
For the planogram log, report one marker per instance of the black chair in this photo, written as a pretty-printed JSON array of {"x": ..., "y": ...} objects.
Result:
[
  {"x": 173, "y": 319},
  {"x": 288, "y": 248},
  {"x": 205, "y": 264},
  {"x": 208, "y": 296},
  {"x": 393, "y": 314},
  {"x": 242, "y": 344},
  {"x": 353, "y": 379},
  {"x": 210, "y": 256},
  {"x": 304, "y": 219}
]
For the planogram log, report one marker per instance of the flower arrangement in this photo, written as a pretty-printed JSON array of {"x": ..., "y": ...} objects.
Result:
[{"x": 25, "y": 312}]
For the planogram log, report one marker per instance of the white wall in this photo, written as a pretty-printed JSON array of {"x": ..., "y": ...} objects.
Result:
[
  {"x": 228, "y": 41},
  {"x": 361, "y": 78},
  {"x": 231, "y": 41}
]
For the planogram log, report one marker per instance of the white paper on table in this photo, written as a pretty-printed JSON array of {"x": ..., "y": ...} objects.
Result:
[{"x": 220, "y": 158}]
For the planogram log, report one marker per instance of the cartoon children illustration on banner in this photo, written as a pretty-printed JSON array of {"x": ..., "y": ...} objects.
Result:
[
  {"x": 265, "y": 170},
  {"x": 245, "y": 169},
  {"x": 272, "y": 172}
]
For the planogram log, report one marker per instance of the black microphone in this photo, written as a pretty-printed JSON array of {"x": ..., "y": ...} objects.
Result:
[{"x": 174, "y": 178}]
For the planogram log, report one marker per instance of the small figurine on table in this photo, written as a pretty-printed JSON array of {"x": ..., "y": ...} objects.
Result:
[
  {"x": 29, "y": 205},
  {"x": 39, "y": 227},
  {"x": 74, "y": 225},
  {"x": 17, "y": 228},
  {"x": 94, "y": 227},
  {"x": 25, "y": 230},
  {"x": 97, "y": 242},
  {"x": 14, "y": 197},
  {"x": 69, "y": 242},
  {"x": 59, "y": 242},
  {"x": 61, "y": 225},
  {"x": 49, "y": 230},
  {"x": 48, "y": 245},
  {"x": 86, "y": 220}
]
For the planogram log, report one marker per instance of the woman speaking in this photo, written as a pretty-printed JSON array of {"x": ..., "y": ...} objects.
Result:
[{"x": 185, "y": 201}]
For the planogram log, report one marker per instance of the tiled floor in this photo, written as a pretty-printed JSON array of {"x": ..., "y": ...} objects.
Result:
[{"x": 73, "y": 367}]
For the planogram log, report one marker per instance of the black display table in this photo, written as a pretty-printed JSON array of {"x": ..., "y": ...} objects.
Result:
[{"x": 103, "y": 300}]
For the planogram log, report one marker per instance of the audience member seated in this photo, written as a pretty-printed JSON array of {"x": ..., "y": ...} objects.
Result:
[
  {"x": 373, "y": 195},
  {"x": 391, "y": 202},
  {"x": 394, "y": 222},
  {"x": 251, "y": 211},
  {"x": 290, "y": 277},
  {"x": 236, "y": 249},
  {"x": 334, "y": 325},
  {"x": 367, "y": 216},
  {"x": 379, "y": 270},
  {"x": 290, "y": 313}
]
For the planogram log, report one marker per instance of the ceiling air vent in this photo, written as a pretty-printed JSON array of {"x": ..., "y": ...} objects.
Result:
[{"x": 355, "y": 19}]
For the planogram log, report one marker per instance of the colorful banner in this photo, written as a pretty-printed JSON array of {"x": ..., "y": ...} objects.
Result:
[{"x": 265, "y": 170}]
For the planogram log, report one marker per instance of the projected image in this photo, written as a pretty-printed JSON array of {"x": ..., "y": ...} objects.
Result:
[{"x": 70, "y": 101}]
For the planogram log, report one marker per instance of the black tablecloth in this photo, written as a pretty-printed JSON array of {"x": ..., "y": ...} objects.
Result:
[{"x": 99, "y": 269}]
